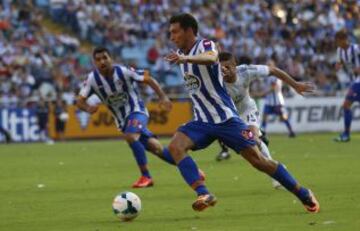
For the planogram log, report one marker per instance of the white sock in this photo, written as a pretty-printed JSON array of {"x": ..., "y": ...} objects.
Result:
[{"x": 265, "y": 151}]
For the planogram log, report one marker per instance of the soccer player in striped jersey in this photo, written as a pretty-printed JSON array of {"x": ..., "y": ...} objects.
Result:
[
  {"x": 348, "y": 58},
  {"x": 115, "y": 86},
  {"x": 274, "y": 103},
  {"x": 215, "y": 116},
  {"x": 237, "y": 81}
]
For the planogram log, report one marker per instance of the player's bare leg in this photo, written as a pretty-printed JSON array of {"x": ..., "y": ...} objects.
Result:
[
  {"x": 285, "y": 120},
  {"x": 263, "y": 149},
  {"x": 178, "y": 147},
  {"x": 345, "y": 136},
  {"x": 139, "y": 153},
  {"x": 280, "y": 173},
  {"x": 155, "y": 147}
]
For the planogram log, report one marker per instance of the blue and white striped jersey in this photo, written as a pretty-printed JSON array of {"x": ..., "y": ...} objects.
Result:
[
  {"x": 211, "y": 102},
  {"x": 350, "y": 58},
  {"x": 119, "y": 92},
  {"x": 274, "y": 98}
]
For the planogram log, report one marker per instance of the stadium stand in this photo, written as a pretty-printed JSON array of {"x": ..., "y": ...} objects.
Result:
[{"x": 298, "y": 36}]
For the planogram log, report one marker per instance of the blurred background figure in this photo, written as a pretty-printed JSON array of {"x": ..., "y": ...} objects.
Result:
[
  {"x": 37, "y": 54},
  {"x": 275, "y": 103},
  {"x": 61, "y": 116},
  {"x": 6, "y": 134},
  {"x": 42, "y": 114}
]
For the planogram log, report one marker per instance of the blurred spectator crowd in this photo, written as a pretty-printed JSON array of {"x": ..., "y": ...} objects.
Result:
[
  {"x": 297, "y": 35},
  {"x": 34, "y": 62}
]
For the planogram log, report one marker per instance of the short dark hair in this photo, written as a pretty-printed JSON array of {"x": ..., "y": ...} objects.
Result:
[
  {"x": 244, "y": 60},
  {"x": 186, "y": 21},
  {"x": 98, "y": 50},
  {"x": 225, "y": 56},
  {"x": 341, "y": 34}
]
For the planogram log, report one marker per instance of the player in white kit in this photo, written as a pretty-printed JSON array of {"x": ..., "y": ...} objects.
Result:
[{"x": 237, "y": 80}]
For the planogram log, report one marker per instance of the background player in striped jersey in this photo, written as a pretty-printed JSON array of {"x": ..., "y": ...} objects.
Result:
[
  {"x": 215, "y": 116},
  {"x": 274, "y": 102},
  {"x": 115, "y": 87},
  {"x": 348, "y": 56},
  {"x": 237, "y": 81}
]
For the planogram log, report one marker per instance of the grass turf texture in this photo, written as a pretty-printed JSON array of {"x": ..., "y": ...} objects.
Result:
[{"x": 70, "y": 186}]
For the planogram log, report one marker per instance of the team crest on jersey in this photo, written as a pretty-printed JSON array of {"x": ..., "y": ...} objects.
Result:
[
  {"x": 83, "y": 118},
  {"x": 192, "y": 82},
  {"x": 119, "y": 99},
  {"x": 247, "y": 134},
  {"x": 207, "y": 45}
]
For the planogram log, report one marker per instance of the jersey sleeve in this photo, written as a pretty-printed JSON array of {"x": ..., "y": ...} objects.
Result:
[
  {"x": 86, "y": 89},
  {"x": 357, "y": 55},
  {"x": 207, "y": 45},
  {"x": 137, "y": 75},
  {"x": 273, "y": 81},
  {"x": 251, "y": 72}
]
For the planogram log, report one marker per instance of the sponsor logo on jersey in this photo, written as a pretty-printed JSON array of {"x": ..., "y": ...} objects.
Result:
[
  {"x": 192, "y": 82},
  {"x": 119, "y": 99}
]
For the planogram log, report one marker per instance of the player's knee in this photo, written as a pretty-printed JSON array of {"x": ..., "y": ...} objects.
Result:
[
  {"x": 283, "y": 117},
  {"x": 175, "y": 149},
  {"x": 155, "y": 147},
  {"x": 131, "y": 137},
  {"x": 347, "y": 105}
]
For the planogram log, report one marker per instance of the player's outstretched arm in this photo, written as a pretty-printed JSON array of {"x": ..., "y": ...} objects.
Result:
[
  {"x": 84, "y": 106},
  {"x": 357, "y": 71},
  {"x": 164, "y": 101},
  {"x": 299, "y": 87},
  {"x": 206, "y": 58}
]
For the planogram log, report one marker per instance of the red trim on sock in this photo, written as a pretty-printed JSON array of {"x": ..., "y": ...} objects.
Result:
[
  {"x": 297, "y": 188},
  {"x": 197, "y": 184},
  {"x": 143, "y": 168}
]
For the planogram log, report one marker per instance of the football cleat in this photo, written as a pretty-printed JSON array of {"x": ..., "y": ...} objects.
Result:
[
  {"x": 203, "y": 202},
  {"x": 143, "y": 182},
  {"x": 311, "y": 204},
  {"x": 223, "y": 155},
  {"x": 342, "y": 138}
]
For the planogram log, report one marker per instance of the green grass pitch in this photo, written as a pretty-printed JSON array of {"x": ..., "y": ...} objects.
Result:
[{"x": 70, "y": 186}]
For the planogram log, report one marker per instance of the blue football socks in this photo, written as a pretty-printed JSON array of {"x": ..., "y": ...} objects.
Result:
[
  {"x": 263, "y": 125},
  {"x": 140, "y": 156},
  {"x": 287, "y": 123},
  {"x": 347, "y": 121},
  {"x": 286, "y": 180},
  {"x": 190, "y": 173},
  {"x": 167, "y": 156}
]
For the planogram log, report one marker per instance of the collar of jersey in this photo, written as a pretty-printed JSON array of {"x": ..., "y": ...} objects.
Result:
[{"x": 195, "y": 45}]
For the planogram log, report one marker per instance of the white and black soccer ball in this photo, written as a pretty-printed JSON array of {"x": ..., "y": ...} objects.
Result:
[{"x": 126, "y": 206}]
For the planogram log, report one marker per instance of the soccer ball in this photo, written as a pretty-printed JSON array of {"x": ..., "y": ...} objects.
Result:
[{"x": 126, "y": 206}]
